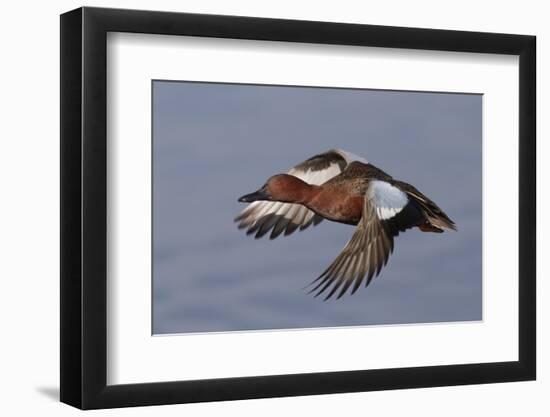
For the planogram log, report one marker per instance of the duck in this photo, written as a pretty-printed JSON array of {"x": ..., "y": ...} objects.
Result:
[{"x": 341, "y": 187}]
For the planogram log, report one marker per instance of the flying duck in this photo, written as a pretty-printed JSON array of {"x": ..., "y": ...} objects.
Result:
[{"x": 341, "y": 187}]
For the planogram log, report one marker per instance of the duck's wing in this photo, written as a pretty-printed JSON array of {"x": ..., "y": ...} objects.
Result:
[
  {"x": 260, "y": 217},
  {"x": 386, "y": 211}
]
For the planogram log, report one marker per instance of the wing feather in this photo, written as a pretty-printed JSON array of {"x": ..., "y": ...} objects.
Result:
[{"x": 363, "y": 256}]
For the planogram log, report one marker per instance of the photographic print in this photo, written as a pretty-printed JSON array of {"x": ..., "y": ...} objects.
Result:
[
  {"x": 282, "y": 189},
  {"x": 292, "y": 207}
]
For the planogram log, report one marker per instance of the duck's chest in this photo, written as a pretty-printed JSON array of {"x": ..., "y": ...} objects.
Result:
[{"x": 338, "y": 206}]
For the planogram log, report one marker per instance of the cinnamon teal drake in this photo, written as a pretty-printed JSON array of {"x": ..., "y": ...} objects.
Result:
[{"x": 342, "y": 187}]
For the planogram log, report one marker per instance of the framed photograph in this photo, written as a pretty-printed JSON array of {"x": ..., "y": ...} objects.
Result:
[{"x": 258, "y": 208}]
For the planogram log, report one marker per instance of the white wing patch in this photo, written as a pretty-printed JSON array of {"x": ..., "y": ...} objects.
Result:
[
  {"x": 387, "y": 199},
  {"x": 317, "y": 177}
]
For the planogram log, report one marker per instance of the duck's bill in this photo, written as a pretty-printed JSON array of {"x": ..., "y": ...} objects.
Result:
[{"x": 261, "y": 194}]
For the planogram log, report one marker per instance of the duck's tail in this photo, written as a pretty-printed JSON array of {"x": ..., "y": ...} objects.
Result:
[{"x": 435, "y": 219}]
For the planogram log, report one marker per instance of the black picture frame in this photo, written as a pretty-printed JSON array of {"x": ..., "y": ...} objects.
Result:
[{"x": 84, "y": 207}]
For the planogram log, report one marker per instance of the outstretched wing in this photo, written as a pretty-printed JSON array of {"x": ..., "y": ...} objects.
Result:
[
  {"x": 260, "y": 217},
  {"x": 386, "y": 211}
]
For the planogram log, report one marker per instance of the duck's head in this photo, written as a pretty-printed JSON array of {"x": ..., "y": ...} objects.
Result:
[{"x": 282, "y": 187}]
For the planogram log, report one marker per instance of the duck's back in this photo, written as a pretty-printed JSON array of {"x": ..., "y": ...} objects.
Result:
[{"x": 356, "y": 177}]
